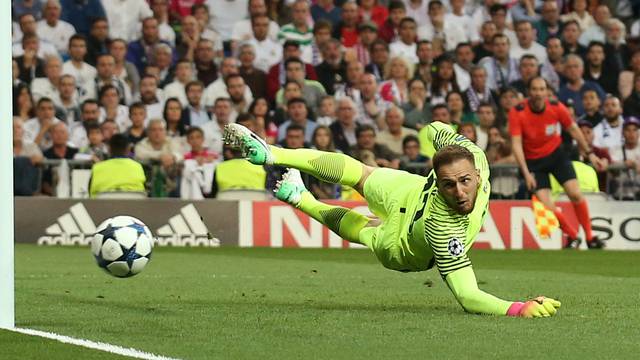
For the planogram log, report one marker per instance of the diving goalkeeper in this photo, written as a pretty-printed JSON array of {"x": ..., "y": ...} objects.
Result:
[{"x": 421, "y": 221}]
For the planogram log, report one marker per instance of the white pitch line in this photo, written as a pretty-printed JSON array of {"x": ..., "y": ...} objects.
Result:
[{"x": 115, "y": 349}]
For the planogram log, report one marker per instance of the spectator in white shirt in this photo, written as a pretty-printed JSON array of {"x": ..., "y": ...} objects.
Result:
[
  {"x": 225, "y": 14},
  {"x": 596, "y": 32},
  {"x": 267, "y": 50},
  {"x": 449, "y": 34},
  {"x": 105, "y": 67},
  {"x": 462, "y": 66},
  {"x": 417, "y": 10},
  {"x": 460, "y": 18},
  {"x": 527, "y": 43},
  {"x": 28, "y": 26},
  {"x": 207, "y": 31},
  {"x": 36, "y": 130},
  {"x": 89, "y": 113},
  {"x": 405, "y": 46},
  {"x": 151, "y": 96},
  {"x": 68, "y": 99},
  {"x": 48, "y": 87},
  {"x": 243, "y": 30},
  {"x": 194, "y": 113},
  {"x": 78, "y": 68},
  {"x": 125, "y": 16},
  {"x": 183, "y": 75},
  {"x": 500, "y": 17},
  {"x": 54, "y": 30},
  {"x": 111, "y": 109},
  {"x": 580, "y": 14},
  {"x": 160, "y": 9},
  {"x": 218, "y": 88},
  {"x": 222, "y": 115},
  {"x": 124, "y": 70},
  {"x": 608, "y": 133},
  {"x": 501, "y": 68}
]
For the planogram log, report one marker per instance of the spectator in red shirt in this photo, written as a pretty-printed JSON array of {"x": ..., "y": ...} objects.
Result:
[
  {"x": 535, "y": 129},
  {"x": 347, "y": 29},
  {"x": 181, "y": 8},
  {"x": 388, "y": 31},
  {"x": 371, "y": 10}
]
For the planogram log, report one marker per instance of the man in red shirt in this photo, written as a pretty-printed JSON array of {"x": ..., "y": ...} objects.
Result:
[{"x": 535, "y": 126}]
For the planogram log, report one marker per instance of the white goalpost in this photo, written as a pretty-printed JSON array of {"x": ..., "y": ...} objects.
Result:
[{"x": 7, "y": 313}]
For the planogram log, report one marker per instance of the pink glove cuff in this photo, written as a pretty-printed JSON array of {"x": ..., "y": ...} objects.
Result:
[{"x": 514, "y": 309}]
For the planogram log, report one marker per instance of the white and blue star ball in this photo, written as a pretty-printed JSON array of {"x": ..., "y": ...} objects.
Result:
[{"x": 122, "y": 246}]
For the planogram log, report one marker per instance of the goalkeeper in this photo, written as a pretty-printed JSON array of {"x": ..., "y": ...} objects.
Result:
[{"x": 421, "y": 221}]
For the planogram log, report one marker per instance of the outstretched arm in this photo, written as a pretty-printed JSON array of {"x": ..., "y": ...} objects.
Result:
[{"x": 464, "y": 287}]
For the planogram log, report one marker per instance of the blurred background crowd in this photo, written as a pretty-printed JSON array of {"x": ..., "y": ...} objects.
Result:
[{"x": 156, "y": 81}]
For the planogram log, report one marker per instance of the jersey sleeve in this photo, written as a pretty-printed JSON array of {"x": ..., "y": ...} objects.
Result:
[
  {"x": 515, "y": 127},
  {"x": 447, "y": 240},
  {"x": 563, "y": 116}
]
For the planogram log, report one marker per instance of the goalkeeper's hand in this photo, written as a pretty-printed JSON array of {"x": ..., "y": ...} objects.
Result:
[{"x": 538, "y": 307}]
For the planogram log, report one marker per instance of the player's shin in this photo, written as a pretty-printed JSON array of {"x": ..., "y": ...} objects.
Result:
[
  {"x": 344, "y": 222},
  {"x": 330, "y": 167}
]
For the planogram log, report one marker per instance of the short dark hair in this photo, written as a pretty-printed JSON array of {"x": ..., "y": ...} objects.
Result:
[
  {"x": 439, "y": 106},
  {"x": 231, "y": 77},
  {"x": 409, "y": 138},
  {"x": 75, "y": 37},
  {"x": 593, "y": 44},
  {"x": 137, "y": 105},
  {"x": 193, "y": 83},
  {"x": 87, "y": 102},
  {"x": 297, "y": 100},
  {"x": 396, "y": 4},
  {"x": 364, "y": 128},
  {"x": 450, "y": 154},
  {"x": 242, "y": 117},
  {"x": 407, "y": 19},
  {"x": 493, "y": 9},
  {"x": 322, "y": 24},
  {"x": 293, "y": 60},
  {"x": 91, "y": 126},
  {"x": 194, "y": 129},
  {"x": 294, "y": 127},
  {"x": 118, "y": 145},
  {"x": 530, "y": 82}
]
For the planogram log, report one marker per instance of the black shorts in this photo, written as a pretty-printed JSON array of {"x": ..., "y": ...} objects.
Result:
[{"x": 557, "y": 163}]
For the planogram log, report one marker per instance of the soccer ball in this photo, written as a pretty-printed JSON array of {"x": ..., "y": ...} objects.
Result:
[{"x": 122, "y": 246}]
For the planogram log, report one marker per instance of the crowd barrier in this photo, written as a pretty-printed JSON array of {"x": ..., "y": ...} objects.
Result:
[{"x": 211, "y": 223}]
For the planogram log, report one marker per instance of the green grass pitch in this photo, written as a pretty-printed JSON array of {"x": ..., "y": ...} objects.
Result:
[{"x": 321, "y": 304}]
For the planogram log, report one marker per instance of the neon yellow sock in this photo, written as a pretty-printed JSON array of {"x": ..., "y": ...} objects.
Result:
[
  {"x": 344, "y": 222},
  {"x": 330, "y": 167}
]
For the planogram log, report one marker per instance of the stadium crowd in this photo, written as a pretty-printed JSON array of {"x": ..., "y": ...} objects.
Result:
[{"x": 362, "y": 78}]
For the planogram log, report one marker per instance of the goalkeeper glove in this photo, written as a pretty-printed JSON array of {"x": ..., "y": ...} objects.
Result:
[{"x": 538, "y": 307}]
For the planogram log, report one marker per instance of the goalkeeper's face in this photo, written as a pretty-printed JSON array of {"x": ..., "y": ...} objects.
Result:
[{"x": 458, "y": 184}]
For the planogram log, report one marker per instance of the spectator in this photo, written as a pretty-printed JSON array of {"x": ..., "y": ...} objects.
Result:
[
  {"x": 527, "y": 43},
  {"x": 418, "y": 109},
  {"x": 200, "y": 153},
  {"x": 151, "y": 96},
  {"x": 528, "y": 69},
  {"x": 425, "y": 62},
  {"x": 29, "y": 64},
  {"x": 68, "y": 100},
  {"x": 591, "y": 103},
  {"x": 82, "y": 14},
  {"x": 22, "y": 7},
  {"x": 162, "y": 65},
  {"x": 138, "y": 116},
  {"x": 354, "y": 72},
  {"x": 111, "y": 109},
  {"x": 554, "y": 67},
  {"x": 321, "y": 34},
  {"x": 218, "y": 88},
  {"x": 276, "y": 76},
  {"x": 48, "y": 87},
  {"x": 501, "y": 68},
  {"x": 206, "y": 68},
  {"x": 603, "y": 154},
  {"x": 575, "y": 86},
  {"x": 83, "y": 73},
  {"x": 462, "y": 65},
  {"x": 190, "y": 34},
  {"x": 158, "y": 147},
  {"x": 397, "y": 74},
  {"x": 405, "y": 46},
  {"x": 596, "y": 32},
  {"x": 366, "y": 144},
  {"x": 52, "y": 29},
  {"x": 632, "y": 103},
  {"x": 468, "y": 130},
  {"x": 411, "y": 159},
  {"x": 595, "y": 68},
  {"x": 486, "y": 119},
  {"x": 367, "y": 35},
  {"x": 444, "y": 80},
  {"x": 395, "y": 132},
  {"x": 417, "y": 9},
  {"x": 499, "y": 147},
  {"x": 194, "y": 114},
  {"x": 455, "y": 103},
  {"x": 237, "y": 93},
  {"x": 118, "y": 174},
  {"x": 108, "y": 128},
  {"x": 505, "y": 182},
  {"x": 449, "y": 34},
  {"x": 36, "y": 130},
  {"x": 256, "y": 79},
  {"x": 123, "y": 69},
  {"x": 96, "y": 150},
  {"x": 325, "y": 10},
  {"x": 570, "y": 35},
  {"x": 172, "y": 115},
  {"x": 294, "y": 139},
  {"x": 176, "y": 89},
  {"x": 346, "y": 30},
  {"x": 371, "y": 10},
  {"x": 388, "y": 31},
  {"x": 501, "y": 17},
  {"x": 628, "y": 155},
  {"x": 627, "y": 78},
  {"x": 312, "y": 91},
  {"x": 616, "y": 47},
  {"x": 23, "y": 104},
  {"x": 458, "y": 16},
  {"x": 89, "y": 114},
  {"x": 105, "y": 67},
  {"x": 371, "y": 106},
  {"x": 509, "y": 97},
  {"x": 265, "y": 127},
  {"x": 222, "y": 115},
  {"x": 28, "y": 27},
  {"x": 524, "y": 10},
  {"x": 297, "y": 113},
  {"x": 160, "y": 9},
  {"x": 344, "y": 129},
  {"x": 322, "y": 140},
  {"x": 332, "y": 70},
  {"x": 125, "y": 16},
  {"x": 580, "y": 15},
  {"x": 549, "y": 25},
  {"x": 608, "y": 134},
  {"x": 180, "y": 8},
  {"x": 479, "y": 91},
  {"x": 22, "y": 147},
  {"x": 485, "y": 47},
  {"x": 58, "y": 150},
  {"x": 245, "y": 30},
  {"x": 98, "y": 40},
  {"x": 267, "y": 51},
  {"x": 379, "y": 59},
  {"x": 326, "y": 111},
  {"x": 139, "y": 52},
  {"x": 299, "y": 29}
]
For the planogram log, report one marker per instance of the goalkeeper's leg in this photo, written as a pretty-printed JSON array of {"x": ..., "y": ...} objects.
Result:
[
  {"x": 326, "y": 166},
  {"x": 344, "y": 222}
]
